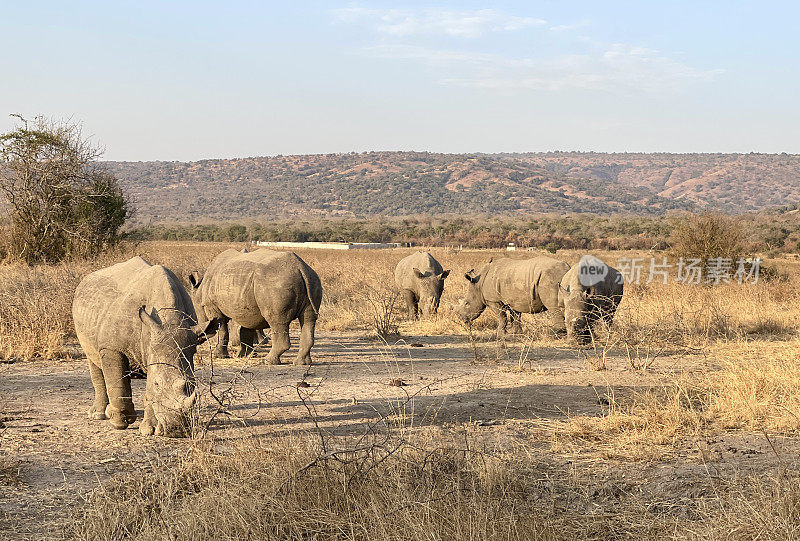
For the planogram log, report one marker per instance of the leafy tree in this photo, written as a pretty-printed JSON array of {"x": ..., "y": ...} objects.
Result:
[
  {"x": 59, "y": 202},
  {"x": 707, "y": 235}
]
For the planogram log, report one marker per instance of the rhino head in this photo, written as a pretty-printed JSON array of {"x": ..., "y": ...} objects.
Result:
[
  {"x": 431, "y": 286},
  {"x": 473, "y": 305},
  {"x": 170, "y": 389},
  {"x": 579, "y": 290},
  {"x": 576, "y": 308}
]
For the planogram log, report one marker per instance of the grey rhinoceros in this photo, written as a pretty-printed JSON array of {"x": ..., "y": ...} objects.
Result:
[
  {"x": 515, "y": 286},
  {"x": 260, "y": 289},
  {"x": 421, "y": 281},
  {"x": 589, "y": 292},
  {"x": 132, "y": 316}
]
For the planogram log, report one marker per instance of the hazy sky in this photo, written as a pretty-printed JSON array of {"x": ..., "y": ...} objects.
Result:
[{"x": 193, "y": 80}]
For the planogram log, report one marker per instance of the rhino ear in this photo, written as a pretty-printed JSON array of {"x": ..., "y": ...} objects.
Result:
[
  {"x": 245, "y": 251},
  {"x": 148, "y": 319},
  {"x": 419, "y": 273},
  {"x": 444, "y": 274},
  {"x": 195, "y": 279},
  {"x": 206, "y": 330}
]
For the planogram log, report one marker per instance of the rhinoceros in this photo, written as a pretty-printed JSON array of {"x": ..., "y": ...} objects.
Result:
[
  {"x": 137, "y": 316},
  {"x": 260, "y": 289},
  {"x": 515, "y": 286},
  {"x": 589, "y": 292},
  {"x": 421, "y": 281}
]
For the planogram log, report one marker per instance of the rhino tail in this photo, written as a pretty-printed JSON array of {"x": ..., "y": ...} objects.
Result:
[{"x": 307, "y": 282}]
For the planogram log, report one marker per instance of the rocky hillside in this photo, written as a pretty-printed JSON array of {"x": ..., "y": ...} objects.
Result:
[{"x": 405, "y": 183}]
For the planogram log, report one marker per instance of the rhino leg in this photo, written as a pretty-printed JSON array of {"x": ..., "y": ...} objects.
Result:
[
  {"x": 98, "y": 409},
  {"x": 558, "y": 322},
  {"x": 221, "y": 350},
  {"x": 308, "y": 321},
  {"x": 500, "y": 314},
  {"x": 116, "y": 372},
  {"x": 411, "y": 304},
  {"x": 247, "y": 337},
  {"x": 149, "y": 423},
  {"x": 609, "y": 309},
  {"x": 557, "y": 318},
  {"x": 280, "y": 343},
  {"x": 516, "y": 322}
]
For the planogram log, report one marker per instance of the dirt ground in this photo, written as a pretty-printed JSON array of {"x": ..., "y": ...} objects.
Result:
[{"x": 420, "y": 382}]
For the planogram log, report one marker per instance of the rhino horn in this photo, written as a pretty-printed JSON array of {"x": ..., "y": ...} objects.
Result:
[
  {"x": 179, "y": 385},
  {"x": 148, "y": 318},
  {"x": 190, "y": 401},
  {"x": 206, "y": 329},
  {"x": 420, "y": 274}
]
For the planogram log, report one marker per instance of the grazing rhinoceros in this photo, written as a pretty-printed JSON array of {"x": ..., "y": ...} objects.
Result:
[
  {"x": 516, "y": 286},
  {"x": 421, "y": 281},
  {"x": 135, "y": 315},
  {"x": 257, "y": 290},
  {"x": 235, "y": 333},
  {"x": 589, "y": 292}
]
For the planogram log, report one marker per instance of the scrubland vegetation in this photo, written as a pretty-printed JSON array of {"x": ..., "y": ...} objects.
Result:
[
  {"x": 726, "y": 356},
  {"x": 771, "y": 232},
  {"x": 407, "y": 183}
]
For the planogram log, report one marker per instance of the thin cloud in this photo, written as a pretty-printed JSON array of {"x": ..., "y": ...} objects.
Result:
[
  {"x": 619, "y": 67},
  {"x": 584, "y": 65},
  {"x": 565, "y": 27},
  {"x": 464, "y": 24}
]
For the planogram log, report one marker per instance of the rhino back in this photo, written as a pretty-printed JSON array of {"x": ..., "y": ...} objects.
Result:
[
  {"x": 521, "y": 284},
  {"x": 612, "y": 284},
  {"x": 247, "y": 286},
  {"x": 404, "y": 275},
  {"x": 609, "y": 286}
]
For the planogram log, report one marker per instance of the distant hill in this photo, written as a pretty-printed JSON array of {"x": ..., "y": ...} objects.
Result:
[{"x": 406, "y": 183}]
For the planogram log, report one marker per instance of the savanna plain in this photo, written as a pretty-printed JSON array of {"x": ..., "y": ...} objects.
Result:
[{"x": 680, "y": 421}]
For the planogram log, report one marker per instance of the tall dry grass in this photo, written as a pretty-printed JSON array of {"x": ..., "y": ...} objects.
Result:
[
  {"x": 36, "y": 310},
  {"x": 417, "y": 489},
  {"x": 403, "y": 491}
]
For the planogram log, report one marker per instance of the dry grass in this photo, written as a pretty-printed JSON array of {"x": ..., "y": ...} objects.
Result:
[
  {"x": 411, "y": 490},
  {"x": 400, "y": 491},
  {"x": 646, "y": 427},
  {"x": 757, "y": 387},
  {"x": 36, "y": 310},
  {"x": 754, "y": 508}
]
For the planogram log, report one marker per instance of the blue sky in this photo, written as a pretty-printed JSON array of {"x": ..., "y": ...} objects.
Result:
[{"x": 185, "y": 81}]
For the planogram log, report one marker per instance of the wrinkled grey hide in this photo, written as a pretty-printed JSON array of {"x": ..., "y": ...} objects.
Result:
[
  {"x": 259, "y": 290},
  {"x": 421, "y": 281},
  {"x": 515, "y": 287},
  {"x": 585, "y": 305},
  {"x": 131, "y": 316}
]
